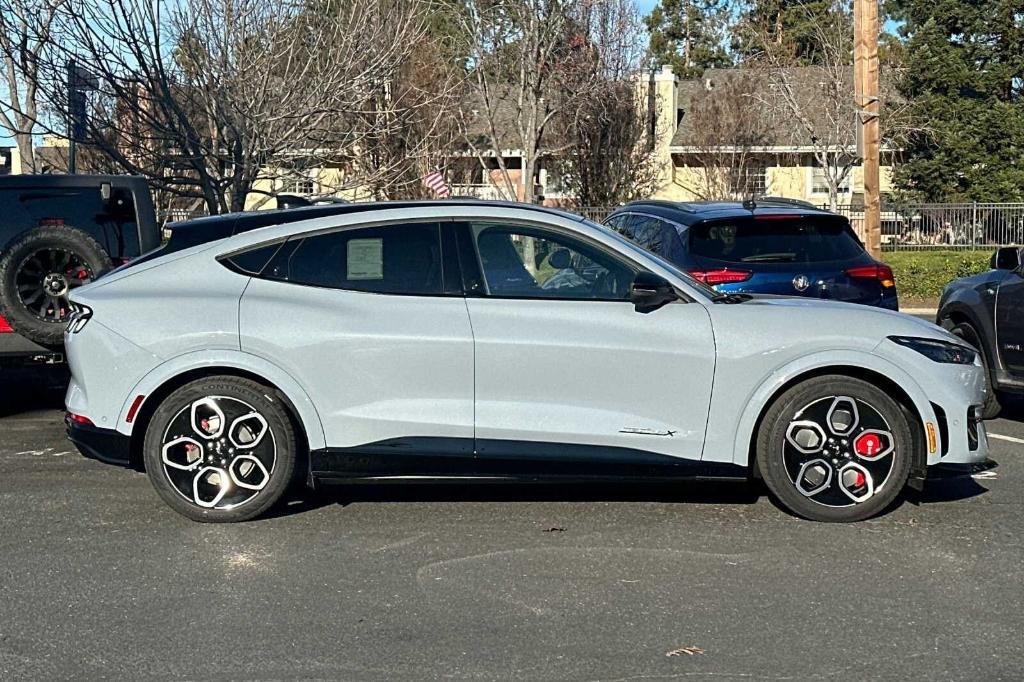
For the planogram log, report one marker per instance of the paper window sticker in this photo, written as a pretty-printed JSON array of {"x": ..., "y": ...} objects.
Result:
[{"x": 365, "y": 259}]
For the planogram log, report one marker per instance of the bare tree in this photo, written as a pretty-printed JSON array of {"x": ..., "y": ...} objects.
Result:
[
  {"x": 25, "y": 35},
  {"x": 524, "y": 55},
  {"x": 221, "y": 99},
  {"x": 817, "y": 100},
  {"x": 610, "y": 158},
  {"x": 410, "y": 126},
  {"x": 728, "y": 131}
]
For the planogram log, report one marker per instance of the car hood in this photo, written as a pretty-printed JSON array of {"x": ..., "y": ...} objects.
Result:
[{"x": 835, "y": 318}]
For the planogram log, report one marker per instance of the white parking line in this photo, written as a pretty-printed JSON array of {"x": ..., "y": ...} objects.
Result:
[{"x": 1011, "y": 439}]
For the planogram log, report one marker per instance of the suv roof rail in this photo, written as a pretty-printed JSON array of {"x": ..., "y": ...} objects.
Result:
[
  {"x": 783, "y": 201},
  {"x": 676, "y": 205}
]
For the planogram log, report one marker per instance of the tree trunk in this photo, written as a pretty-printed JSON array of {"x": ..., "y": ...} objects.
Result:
[
  {"x": 27, "y": 152},
  {"x": 526, "y": 178}
]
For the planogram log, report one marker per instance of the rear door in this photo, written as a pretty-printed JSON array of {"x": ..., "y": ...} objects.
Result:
[
  {"x": 373, "y": 325},
  {"x": 786, "y": 254},
  {"x": 565, "y": 366}
]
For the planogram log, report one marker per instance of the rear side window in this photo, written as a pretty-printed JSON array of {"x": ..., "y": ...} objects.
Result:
[
  {"x": 389, "y": 259},
  {"x": 785, "y": 239}
]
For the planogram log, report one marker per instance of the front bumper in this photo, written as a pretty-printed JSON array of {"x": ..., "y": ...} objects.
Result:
[{"x": 105, "y": 445}]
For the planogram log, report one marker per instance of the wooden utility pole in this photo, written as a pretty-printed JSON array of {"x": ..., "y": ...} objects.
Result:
[{"x": 866, "y": 96}]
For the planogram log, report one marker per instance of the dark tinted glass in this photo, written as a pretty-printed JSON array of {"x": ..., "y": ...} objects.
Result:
[
  {"x": 526, "y": 262},
  {"x": 252, "y": 262},
  {"x": 789, "y": 239},
  {"x": 392, "y": 259}
]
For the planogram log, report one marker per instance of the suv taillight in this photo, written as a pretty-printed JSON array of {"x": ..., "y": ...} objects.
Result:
[
  {"x": 883, "y": 273},
  {"x": 723, "y": 276},
  {"x": 5, "y": 326}
]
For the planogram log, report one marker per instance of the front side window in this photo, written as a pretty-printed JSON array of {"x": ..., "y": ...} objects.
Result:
[
  {"x": 526, "y": 262},
  {"x": 388, "y": 259}
]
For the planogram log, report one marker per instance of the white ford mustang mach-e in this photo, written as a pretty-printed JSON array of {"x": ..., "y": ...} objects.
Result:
[{"x": 463, "y": 339}]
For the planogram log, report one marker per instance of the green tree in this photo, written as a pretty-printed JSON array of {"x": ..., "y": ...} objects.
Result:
[
  {"x": 963, "y": 79},
  {"x": 771, "y": 25},
  {"x": 690, "y": 35}
]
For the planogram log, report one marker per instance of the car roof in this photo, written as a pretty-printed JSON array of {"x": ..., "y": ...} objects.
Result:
[
  {"x": 690, "y": 212},
  {"x": 210, "y": 228}
]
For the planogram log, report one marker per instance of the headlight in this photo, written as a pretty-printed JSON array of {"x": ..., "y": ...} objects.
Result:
[{"x": 939, "y": 351}]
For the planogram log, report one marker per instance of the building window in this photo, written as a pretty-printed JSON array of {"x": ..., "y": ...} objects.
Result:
[
  {"x": 748, "y": 181},
  {"x": 299, "y": 185},
  {"x": 819, "y": 183}
]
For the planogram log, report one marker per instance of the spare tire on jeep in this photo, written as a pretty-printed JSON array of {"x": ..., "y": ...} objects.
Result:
[{"x": 37, "y": 272}]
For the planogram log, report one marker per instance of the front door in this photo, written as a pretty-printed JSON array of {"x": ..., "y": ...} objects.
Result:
[
  {"x": 565, "y": 364},
  {"x": 1010, "y": 321}
]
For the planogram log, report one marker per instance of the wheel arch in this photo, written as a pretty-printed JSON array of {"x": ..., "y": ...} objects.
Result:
[
  {"x": 161, "y": 382},
  {"x": 957, "y": 313},
  {"x": 890, "y": 378}
]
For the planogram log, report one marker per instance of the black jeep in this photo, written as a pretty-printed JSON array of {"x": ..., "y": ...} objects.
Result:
[{"x": 58, "y": 232}]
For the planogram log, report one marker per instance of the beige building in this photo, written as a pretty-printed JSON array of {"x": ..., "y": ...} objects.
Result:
[{"x": 731, "y": 133}]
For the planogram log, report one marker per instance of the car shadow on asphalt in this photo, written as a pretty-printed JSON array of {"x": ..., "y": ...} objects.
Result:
[
  {"x": 32, "y": 389},
  {"x": 941, "y": 487},
  {"x": 688, "y": 492}
]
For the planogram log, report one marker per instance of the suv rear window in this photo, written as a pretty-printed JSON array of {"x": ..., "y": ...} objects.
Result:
[{"x": 772, "y": 239}]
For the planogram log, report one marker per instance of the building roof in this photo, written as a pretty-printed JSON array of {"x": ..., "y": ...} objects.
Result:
[{"x": 760, "y": 91}]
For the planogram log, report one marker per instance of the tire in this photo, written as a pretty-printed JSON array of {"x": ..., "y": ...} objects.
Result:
[
  {"x": 210, "y": 459},
  {"x": 38, "y": 270},
  {"x": 851, "y": 466},
  {"x": 969, "y": 334}
]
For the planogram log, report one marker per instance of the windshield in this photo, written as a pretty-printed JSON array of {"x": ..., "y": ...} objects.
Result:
[
  {"x": 635, "y": 249},
  {"x": 775, "y": 239}
]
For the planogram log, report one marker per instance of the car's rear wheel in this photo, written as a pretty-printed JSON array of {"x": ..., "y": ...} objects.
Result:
[
  {"x": 969, "y": 334},
  {"x": 37, "y": 274},
  {"x": 835, "y": 448},
  {"x": 220, "y": 449}
]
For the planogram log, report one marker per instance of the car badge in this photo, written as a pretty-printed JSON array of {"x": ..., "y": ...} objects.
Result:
[{"x": 801, "y": 282}]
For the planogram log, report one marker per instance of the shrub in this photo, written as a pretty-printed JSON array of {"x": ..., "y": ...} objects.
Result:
[{"x": 922, "y": 275}]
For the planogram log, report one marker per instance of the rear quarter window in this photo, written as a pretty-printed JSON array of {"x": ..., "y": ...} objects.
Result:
[{"x": 789, "y": 239}]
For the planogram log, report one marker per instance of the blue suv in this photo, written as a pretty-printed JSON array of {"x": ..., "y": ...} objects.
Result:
[{"x": 771, "y": 246}]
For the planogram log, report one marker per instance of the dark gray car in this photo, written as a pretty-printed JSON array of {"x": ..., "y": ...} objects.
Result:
[{"x": 987, "y": 311}]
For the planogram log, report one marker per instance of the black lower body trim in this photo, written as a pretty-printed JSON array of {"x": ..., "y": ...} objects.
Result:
[
  {"x": 507, "y": 460},
  {"x": 106, "y": 445}
]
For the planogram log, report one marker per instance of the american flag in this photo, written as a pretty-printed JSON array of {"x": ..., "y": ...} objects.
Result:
[{"x": 434, "y": 181}]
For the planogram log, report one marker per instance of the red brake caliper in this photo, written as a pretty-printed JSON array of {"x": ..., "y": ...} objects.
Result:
[{"x": 867, "y": 445}]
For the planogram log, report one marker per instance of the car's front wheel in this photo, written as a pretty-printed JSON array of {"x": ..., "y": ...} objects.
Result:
[
  {"x": 220, "y": 449},
  {"x": 835, "y": 448}
]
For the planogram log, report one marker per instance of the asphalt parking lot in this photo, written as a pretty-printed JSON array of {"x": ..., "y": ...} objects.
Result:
[{"x": 98, "y": 579}]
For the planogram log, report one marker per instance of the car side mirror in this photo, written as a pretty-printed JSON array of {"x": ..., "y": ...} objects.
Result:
[
  {"x": 1006, "y": 258},
  {"x": 649, "y": 292}
]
